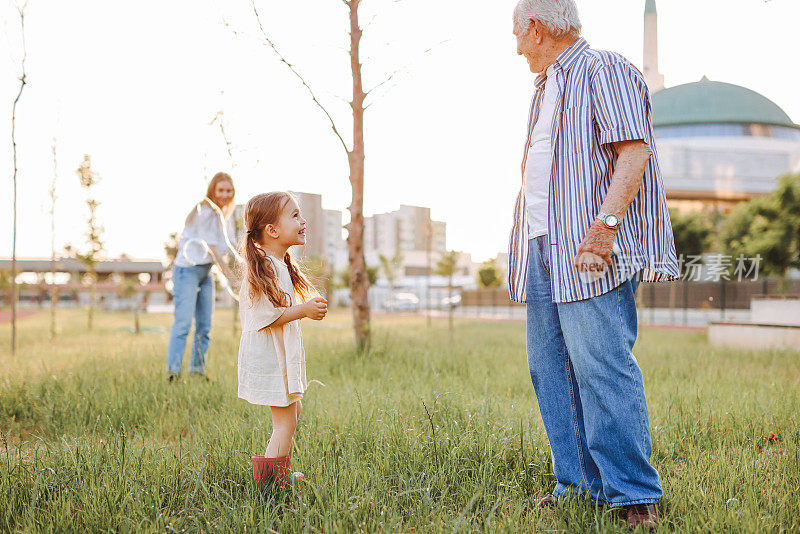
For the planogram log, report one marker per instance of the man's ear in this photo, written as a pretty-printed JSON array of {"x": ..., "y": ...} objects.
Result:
[{"x": 537, "y": 29}]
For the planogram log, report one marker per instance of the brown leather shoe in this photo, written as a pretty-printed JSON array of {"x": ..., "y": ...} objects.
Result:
[
  {"x": 548, "y": 501},
  {"x": 642, "y": 515}
]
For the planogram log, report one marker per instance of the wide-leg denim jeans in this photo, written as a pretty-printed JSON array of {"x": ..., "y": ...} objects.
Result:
[
  {"x": 193, "y": 294},
  {"x": 590, "y": 389}
]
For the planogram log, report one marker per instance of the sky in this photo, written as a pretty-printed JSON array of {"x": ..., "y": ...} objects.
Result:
[{"x": 137, "y": 85}]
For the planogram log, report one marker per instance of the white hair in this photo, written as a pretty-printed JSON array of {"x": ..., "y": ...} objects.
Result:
[{"x": 560, "y": 17}]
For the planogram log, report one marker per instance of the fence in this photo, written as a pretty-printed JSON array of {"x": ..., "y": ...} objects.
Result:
[{"x": 680, "y": 303}]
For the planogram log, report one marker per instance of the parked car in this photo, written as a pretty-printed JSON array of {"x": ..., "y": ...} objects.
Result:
[
  {"x": 450, "y": 302},
  {"x": 402, "y": 302}
]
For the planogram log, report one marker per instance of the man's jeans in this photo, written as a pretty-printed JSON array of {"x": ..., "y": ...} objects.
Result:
[
  {"x": 193, "y": 294},
  {"x": 590, "y": 389}
]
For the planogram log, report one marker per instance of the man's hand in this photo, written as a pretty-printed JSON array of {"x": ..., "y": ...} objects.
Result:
[
  {"x": 316, "y": 308},
  {"x": 598, "y": 243},
  {"x": 594, "y": 253}
]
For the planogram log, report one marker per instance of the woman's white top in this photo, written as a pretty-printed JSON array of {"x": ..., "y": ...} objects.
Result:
[
  {"x": 272, "y": 362},
  {"x": 204, "y": 227}
]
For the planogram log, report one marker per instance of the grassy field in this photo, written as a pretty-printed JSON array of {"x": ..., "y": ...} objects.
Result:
[{"x": 423, "y": 434}]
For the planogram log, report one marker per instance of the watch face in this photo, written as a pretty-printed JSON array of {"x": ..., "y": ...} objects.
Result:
[{"x": 612, "y": 221}]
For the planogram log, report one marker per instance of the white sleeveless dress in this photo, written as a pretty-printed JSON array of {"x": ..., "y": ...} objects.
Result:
[{"x": 272, "y": 362}]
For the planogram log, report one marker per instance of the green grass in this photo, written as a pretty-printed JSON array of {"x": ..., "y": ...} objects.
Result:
[{"x": 423, "y": 434}]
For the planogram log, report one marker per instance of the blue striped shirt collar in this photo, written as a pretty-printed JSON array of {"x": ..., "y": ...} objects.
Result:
[
  {"x": 568, "y": 57},
  {"x": 565, "y": 60}
]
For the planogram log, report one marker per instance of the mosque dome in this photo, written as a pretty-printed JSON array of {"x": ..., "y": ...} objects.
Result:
[{"x": 708, "y": 108}]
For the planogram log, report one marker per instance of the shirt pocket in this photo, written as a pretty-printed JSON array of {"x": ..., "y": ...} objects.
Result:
[{"x": 576, "y": 129}]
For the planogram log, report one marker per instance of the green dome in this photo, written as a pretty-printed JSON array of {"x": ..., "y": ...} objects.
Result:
[{"x": 707, "y": 102}]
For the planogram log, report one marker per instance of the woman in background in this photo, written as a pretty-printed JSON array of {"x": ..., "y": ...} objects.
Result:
[{"x": 202, "y": 244}]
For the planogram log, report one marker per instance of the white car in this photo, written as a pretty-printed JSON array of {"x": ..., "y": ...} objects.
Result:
[
  {"x": 450, "y": 302},
  {"x": 402, "y": 302}
]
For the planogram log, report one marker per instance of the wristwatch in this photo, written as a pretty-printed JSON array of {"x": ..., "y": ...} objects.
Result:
[{"x": 609, "y": 219}]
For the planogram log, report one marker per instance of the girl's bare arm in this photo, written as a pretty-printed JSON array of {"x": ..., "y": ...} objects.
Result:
[{"x": 315, "y": 308}]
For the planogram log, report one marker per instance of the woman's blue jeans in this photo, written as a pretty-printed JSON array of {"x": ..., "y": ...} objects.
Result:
[
  {"x": 193, "y": 295},
  {"x": 590, "y": 389}
]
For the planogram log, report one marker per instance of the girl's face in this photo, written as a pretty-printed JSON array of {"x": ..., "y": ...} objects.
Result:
[
  {"x": 223, "y": 193},
  {"x": 290, "y": 229}
]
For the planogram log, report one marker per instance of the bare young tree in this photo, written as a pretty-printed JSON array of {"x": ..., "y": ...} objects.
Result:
[
  {"x": 359, "y": 280},
  {"x": 22, "y": 81},
  {"x": 53, "y": 287},
  {"x": 220, "y": 119},
  {"x": 94, "y": 232}
]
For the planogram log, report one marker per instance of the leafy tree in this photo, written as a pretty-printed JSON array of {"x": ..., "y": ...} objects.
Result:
[
  {"x": 692, "y": 233},
  {"x": 344, "y": 277},
  {"x": 127, "y": 288},
  {"x": 171, "y": 248},
  {"x": 94, "y": 232},
  {"x": 769, "y": 227},
  {"x": 391, "y": 265},
  {"x": 788, "y": 197},
  {"x": 489, "y": 275},
  {"x": 448, "y": 266},
  {"x": 6, "y": 282}
]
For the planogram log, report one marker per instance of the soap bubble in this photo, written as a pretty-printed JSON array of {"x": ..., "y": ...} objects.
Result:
[{"x": 197, "y": 251}]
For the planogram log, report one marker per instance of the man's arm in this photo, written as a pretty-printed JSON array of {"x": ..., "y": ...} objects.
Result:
[
  {"x": 632, "y": 157},
  {"x": 626, "y": 181}
]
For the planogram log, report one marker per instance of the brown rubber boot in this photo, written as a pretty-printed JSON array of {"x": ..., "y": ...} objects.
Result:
[
  {"x": 260, "y": 470},
  {"x": 548, "y": 501},
  {"x": 642, "y": 515},
  {"x": 279, "y": 468}
]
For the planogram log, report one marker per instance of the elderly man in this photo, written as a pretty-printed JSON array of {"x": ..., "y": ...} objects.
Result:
[{"x": 590, "y": 221}]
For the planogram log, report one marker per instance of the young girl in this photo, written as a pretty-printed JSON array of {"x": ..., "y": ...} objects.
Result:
[{"x": 272, "y": 365}]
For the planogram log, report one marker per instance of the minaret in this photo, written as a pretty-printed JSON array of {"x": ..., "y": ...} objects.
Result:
[{"x": 654, "y": 79}]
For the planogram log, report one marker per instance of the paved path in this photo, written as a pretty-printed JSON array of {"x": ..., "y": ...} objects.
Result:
[{"x": 5, "y": 315}]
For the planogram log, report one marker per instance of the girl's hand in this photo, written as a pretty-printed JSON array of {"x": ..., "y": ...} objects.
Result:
[{"x": 316, "y": 308}]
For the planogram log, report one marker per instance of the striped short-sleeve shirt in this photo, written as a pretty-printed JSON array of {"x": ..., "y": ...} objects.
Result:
[{"x": 602, "y": 99}]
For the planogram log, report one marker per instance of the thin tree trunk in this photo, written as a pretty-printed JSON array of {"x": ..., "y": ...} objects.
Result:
[
  {"x": 450, "y": 301},
  {"x": 672, "y": 304},
  {"x": 428, "y": 245},
  {"x": 92, "y": 297},
  {"x": 359, "y": 283},
  {"x": 14, "y": 294},
  {"x": 53, "y": 289}
]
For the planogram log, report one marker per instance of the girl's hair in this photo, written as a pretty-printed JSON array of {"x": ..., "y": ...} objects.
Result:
[
  {"x": 260, "y": 211},
  {"x": 227, "y": 209}
]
